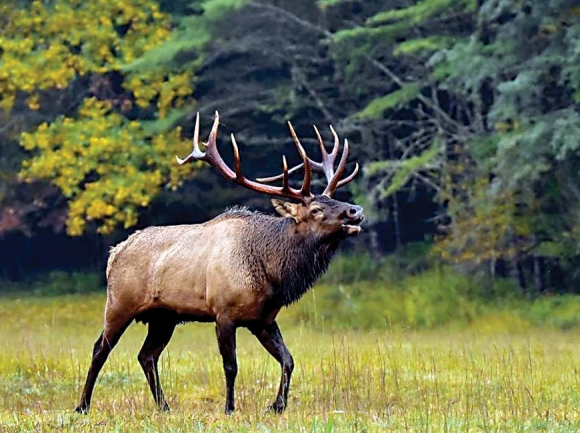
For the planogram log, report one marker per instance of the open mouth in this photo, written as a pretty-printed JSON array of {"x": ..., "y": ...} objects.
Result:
[{"x": 353, "y": 228}]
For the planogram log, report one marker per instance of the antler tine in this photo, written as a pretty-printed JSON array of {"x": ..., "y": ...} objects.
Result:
[
  {"x": 196, "y": 132},
  {"x": 320, "y": 142},
  {"x": 305, "y": 161},
  {"x": 237, "y": 161},
  {"x": 333, "y": 177},
  {"x": 336, "y": 142},
  {"x": 326, "y": 166},
  {"x": 327, "y": 158},
  {"x": 212, "y": 157},
  {"x": 212, "y": 140},
  {"x": 348, "y": 178},
  {"x": 280, "y": 176},
  {"x": 285, "y": 186},
  {"x": 333, "y": 183},
  {"x": 196, "y": 153},
  {"x": 313, "y": 164}
]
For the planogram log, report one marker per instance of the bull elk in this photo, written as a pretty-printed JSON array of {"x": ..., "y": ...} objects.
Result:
[{"x": 237, "y": 270}]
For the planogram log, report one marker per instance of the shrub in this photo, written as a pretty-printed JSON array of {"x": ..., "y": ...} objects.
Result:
[
  {"x": 61, "y": 283},
  {"x": 405, "y": 293},
  {"x": 56, "y": 283},
  {"x": 424, "y": 301}
]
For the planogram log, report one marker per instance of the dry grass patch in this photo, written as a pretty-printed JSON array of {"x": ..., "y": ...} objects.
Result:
[{"x": 473, "y": 380}]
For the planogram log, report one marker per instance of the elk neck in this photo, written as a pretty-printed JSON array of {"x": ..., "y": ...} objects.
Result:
[{"x": 286, "y": 260}]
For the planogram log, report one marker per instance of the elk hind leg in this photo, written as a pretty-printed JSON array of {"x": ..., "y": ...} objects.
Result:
[{"x": 158, "y": 336}]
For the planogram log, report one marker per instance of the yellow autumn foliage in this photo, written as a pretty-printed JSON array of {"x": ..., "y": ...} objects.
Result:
[
  {"x": 74, "y": 38},
  {"x": 485, "y": 228},
  {"x": 106, "y": 165},
  {"x": 107, "y": 174}
]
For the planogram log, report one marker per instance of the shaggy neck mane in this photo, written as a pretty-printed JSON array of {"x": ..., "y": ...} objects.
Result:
[{"x": 291, "y": 261}]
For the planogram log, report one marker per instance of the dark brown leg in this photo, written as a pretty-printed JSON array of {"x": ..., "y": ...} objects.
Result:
[
  {"x": 158, "y": 336},
  {"x": 103, "y": 346},
  {"x": 271, "y": 338},
  {"x": 226, "y": 336}
]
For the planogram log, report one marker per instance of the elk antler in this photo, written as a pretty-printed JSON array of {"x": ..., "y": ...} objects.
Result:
[
  {"x": 326, "y": 166},
  {"x": 212, "y": 157}
]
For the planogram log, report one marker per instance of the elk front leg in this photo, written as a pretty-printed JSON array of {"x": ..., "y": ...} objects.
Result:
[
  {"x": 226, "y": 336},
  {"x": 105, "y": 343},
  {"x": 271, "y": 338}
]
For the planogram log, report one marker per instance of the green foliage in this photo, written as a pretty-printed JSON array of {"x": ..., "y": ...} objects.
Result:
[
  {"x": 218, "y": 9},
  {"x": 152, "y": 128},
  {"x": 364, "y": 293},
  {"x": 184, "y": 47},
  {"x": 404, "y": 169},
  {"x": 424, "y": 45},
  {"x": 427, "y": 300},
  {"x": 486, "y": 227},
  {"x": 559, "y": 312},
  {"x": 511, "y": 148},
  {"x": 403, "y": 290},
  {"x": 326, "y": 3},
  {"x": 533, "y": 117},
  {"x": 422, "y": 10},
  {"x": 412, "y": 34},
  {"x": 55, "y": 283},
  {"x": 485, "y": 118},
  {"x": 349, "y": 268},
  {"x": 64, "y": 283},
  {"x": 377, "y": 106},
  {"x": 410, "y": 259},
  {"x": 383, "y": 34},
  {"x": 400, "y": 291}
]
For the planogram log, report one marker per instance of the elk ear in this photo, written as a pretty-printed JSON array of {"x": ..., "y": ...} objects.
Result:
[{"x": 286, "y": 209}]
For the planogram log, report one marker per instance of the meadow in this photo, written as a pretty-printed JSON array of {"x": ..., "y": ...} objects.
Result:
[{"x": 450, "y": 379}]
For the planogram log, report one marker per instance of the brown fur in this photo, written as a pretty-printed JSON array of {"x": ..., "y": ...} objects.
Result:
[{"x": 238, "y": 269}]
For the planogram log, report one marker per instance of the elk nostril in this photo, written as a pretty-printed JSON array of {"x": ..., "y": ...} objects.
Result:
[{"x": 352, "y": 211}]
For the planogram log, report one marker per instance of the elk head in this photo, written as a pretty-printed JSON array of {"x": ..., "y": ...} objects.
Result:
[{"x": 320, "y": 215}]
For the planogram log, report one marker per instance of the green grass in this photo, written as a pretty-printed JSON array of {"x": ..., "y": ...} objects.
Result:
[{"x": 476, "y": 379}]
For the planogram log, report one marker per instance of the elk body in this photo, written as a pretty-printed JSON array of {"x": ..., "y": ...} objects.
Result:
[{"x": 237, "y": 270}]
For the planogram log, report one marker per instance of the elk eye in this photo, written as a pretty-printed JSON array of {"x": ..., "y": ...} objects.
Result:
[{"x": 315, "y": 211}]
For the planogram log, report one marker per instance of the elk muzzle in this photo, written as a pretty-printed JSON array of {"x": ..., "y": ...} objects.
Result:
[{"x": 351, "y": 222}]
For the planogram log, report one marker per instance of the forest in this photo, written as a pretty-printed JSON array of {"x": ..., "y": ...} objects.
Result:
[
  {"x": 464, "y": 116},
  {"x": 455, "y": 309}
]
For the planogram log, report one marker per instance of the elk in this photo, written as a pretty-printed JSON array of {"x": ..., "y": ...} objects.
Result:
[{"x": 237, "y": 270}]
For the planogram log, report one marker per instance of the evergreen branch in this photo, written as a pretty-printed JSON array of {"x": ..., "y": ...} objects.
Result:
[
  {"x": 291, "y": 16},
  {"x": 435, "y": 107},
  {"x": 313, "y": 94}
]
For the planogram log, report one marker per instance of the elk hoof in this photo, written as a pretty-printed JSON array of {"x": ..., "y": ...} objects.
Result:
[
  {"x": 82, "y": 410},
  {"x": 276, "y": 407},
  {"x": 164, "y": 408}
]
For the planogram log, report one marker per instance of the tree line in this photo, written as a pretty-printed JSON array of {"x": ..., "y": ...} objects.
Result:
[{"x": 465, "y": 116}]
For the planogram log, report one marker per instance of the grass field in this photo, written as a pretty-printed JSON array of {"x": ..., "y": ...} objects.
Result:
[{"x": 460, "y": 380}]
